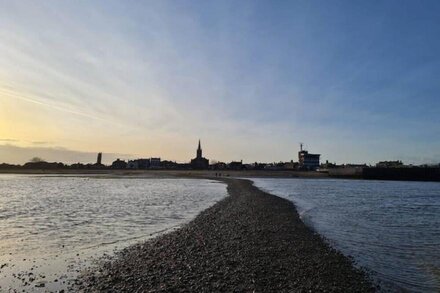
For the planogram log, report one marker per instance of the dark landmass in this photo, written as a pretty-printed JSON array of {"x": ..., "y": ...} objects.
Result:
[
  {"x": 251, "y": 241},
  {"x": 389, "y": 173},
  {"x": 406, "y": 174},
  {"x": 170, "y": 173},
  {"x": 370, "y": 173}
]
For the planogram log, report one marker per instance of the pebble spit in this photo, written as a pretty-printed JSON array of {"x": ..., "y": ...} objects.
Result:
[{"x": 251, "y": 241}]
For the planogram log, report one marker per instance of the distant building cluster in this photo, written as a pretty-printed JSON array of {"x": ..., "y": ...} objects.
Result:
[
  {"x": 389, "y": 164},
  {"x": 151, "y": 163},
  {"x": 306, "y": 162}
]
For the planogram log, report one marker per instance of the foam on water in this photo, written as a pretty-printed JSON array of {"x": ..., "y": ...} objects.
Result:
[{"x": 391, "y": 228}]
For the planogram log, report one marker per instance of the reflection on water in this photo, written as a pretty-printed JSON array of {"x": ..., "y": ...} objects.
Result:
[
  {"x": 50, "y": 226},
  {"x": 391, "y": 228}
]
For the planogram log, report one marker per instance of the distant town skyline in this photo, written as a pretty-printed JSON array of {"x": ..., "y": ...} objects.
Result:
[{"x": 357, "y": 82}]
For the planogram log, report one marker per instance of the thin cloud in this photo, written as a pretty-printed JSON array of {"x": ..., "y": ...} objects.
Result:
[
  {"x": 28, "y": 98},
  {"x": 40, "y": 142}
]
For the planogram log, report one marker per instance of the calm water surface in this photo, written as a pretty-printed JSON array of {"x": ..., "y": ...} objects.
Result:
[
  {"x": 51, "y": 226},
  {"x": 392, "y": 228}
]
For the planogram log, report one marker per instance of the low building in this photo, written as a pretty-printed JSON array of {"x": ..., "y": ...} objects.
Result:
[
  {"x": 218, "y": 166},
  {"x": 138, "y": 164},
  {"x": 290, "y": 165},
  {"x": 152, "y": 163},
  {"x": 389, "y": 164},
  {"x": 236, "y": 165},
  {"x": 132, "y": 164},
  {"x": 155, "y": 163},
  {"x": 169, "y": 165},
  {"x": 257, "y": 166},
  {"x": 119, "y": 164}
]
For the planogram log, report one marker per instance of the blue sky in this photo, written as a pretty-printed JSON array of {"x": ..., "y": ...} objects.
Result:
[{"x": 357, "y": 81}]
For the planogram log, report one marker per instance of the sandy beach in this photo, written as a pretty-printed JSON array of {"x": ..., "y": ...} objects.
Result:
[{"x": 251, "y": 241}]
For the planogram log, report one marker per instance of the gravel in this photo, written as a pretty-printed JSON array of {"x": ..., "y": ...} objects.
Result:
[{"x": 251, "y": 241}]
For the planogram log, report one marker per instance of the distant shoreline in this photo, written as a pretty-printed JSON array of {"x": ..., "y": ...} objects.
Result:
[
  {"x": 171, "y": 173},
  {"x": 249, "y": 241},
  {"x": 392, "y": 174}
]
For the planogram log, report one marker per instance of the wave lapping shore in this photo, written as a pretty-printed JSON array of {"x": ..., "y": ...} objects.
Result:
[{"x": 250, "y": 241}]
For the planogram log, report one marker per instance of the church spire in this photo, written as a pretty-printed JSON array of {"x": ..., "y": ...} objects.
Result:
[{"x": 199, "y": 151}]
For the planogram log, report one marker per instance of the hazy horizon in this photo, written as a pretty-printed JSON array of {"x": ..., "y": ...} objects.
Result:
[{"x": 355, "y": 81}]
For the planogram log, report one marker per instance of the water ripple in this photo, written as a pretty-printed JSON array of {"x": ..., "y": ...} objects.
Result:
[
  {"x": 391, "y": 228},
  {"x": 40, "y": 217}
]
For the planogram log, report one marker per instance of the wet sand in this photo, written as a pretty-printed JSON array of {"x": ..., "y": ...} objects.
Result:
[{"x": 251, "y": 241}]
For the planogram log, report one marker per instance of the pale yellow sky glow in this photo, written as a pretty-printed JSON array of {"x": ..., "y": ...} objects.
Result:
[
  {"x": 24, "y": 120},
  {"x": 28, "y": 122},
  {"x": 38, "y": 125}
]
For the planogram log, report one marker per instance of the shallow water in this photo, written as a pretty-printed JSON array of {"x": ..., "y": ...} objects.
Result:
[
  {"x": 390, "y": 227},
  {"x": 50, "y": 227}
]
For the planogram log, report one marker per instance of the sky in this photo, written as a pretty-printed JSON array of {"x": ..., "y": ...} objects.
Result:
[{"x": 356, "y": 81}]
